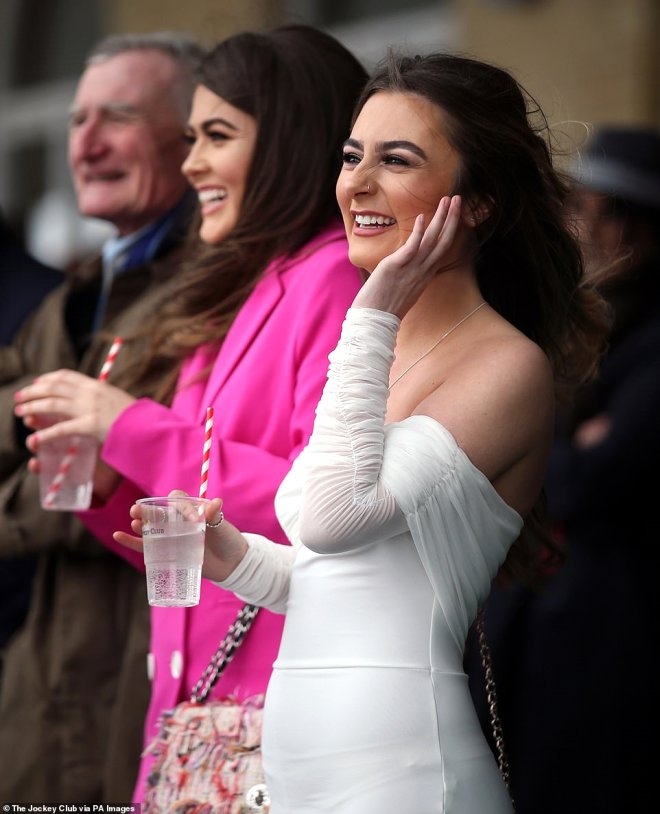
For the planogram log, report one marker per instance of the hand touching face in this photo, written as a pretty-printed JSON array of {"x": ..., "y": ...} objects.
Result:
[{"x": 401, "y": 277}]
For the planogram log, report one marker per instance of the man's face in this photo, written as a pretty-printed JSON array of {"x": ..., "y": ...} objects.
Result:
[{"x": 126, "y": 142}]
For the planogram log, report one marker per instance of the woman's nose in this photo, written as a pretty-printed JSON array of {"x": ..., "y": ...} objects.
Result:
[
  {"x": 362, "y": 182},
  {"x": 194, "y": 162}
]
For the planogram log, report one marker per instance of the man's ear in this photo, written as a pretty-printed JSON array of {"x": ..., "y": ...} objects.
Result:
[{"x": 477, "y": 211}]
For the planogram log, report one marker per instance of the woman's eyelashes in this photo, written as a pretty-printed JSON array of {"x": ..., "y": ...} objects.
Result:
[
  {"x": 388, "y": 159},
  {"x": 351, "y": 158},
  {"x": 216, "y": 136},
  {"x": 396, "y": 160}
]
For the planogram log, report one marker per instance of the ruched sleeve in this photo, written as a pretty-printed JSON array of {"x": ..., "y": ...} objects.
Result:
[
  {"x": 360, "y": 480},
  {"x": 363, "y": 480},
  {"x": 262, "y": 577},
  {"x": 344, "y": 502}
]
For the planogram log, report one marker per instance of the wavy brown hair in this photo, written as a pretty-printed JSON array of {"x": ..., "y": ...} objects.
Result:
[
  {"x": 529, "y": 265},
  {"x": 301, "y": 86}
]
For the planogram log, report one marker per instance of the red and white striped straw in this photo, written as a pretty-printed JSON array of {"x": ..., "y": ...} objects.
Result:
[
  {"x": 110, "y": 358},
  {"x": 72, "y": 451},
  {"x": 206, "y": 454},
  {"x": 60, "y": 475}
]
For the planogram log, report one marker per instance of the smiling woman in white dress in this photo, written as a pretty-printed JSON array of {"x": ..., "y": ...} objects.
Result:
[{"x": 428, "y": 452}]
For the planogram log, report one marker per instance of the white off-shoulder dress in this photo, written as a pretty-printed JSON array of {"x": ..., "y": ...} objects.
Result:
[{"x": 396, "y": 537}]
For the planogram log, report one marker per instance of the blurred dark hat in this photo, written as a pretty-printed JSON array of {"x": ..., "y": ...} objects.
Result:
[{"x": 623, "y": 161}]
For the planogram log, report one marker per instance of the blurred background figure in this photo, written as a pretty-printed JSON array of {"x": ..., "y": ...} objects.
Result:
[
  {"x": 578, "y": 693},
  {"x": 74, "y": 688},
  {"x": 24, "y": 282}
]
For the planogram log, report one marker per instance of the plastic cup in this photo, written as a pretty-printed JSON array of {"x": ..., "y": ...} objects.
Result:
[
  {"x": 173, "y": 540},
  {"x": 66, "y": 472}
]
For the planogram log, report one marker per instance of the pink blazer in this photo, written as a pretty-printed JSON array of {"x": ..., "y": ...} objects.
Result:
[{"x": 264, "y": 386}]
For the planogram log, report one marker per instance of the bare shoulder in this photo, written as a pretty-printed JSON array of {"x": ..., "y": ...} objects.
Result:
[
  {"x": 498, "y": 364},
  {"x": 510, "y": 364},
  {"x": 497, "y": 400}
]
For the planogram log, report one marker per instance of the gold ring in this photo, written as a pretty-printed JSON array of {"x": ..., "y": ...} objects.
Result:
[{"x": 217, "y": 523}]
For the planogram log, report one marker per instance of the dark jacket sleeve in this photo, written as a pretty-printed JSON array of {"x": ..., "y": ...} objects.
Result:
[
  {"x": 621, "y": 469},
  {"x": 40, "y": 345},
  {"x": 43, "y": 344}
]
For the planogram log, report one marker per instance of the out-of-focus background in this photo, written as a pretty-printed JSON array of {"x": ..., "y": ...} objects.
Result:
[{"x": 587, "y": 62}]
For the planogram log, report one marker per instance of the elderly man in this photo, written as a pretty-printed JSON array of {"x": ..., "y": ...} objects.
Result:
[{"x": 74, "y": 686}]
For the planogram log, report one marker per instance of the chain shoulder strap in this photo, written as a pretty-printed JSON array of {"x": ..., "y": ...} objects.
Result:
[
  {"x": 225, "y": 653},
  {"x": 491, "y": 696}
]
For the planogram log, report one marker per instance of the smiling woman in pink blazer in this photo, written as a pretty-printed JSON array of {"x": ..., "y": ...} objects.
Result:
[
  {"x": 264, "y": 386},
  {"x": 248, "y": 331}
]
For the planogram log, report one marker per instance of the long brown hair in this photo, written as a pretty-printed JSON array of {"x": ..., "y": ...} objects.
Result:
[
  {"x": 300, "y": 85},
  {"x": 529, "y": 264}
]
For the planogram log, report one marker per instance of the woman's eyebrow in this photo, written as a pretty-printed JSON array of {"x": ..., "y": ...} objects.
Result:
[
  {"x": 354, "y": 143},
  {"x": 385, "y": 146},
  {"x": 219, "y": 120}
]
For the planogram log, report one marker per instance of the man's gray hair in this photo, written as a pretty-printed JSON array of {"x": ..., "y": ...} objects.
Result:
[{"x": 183, "y": 49}]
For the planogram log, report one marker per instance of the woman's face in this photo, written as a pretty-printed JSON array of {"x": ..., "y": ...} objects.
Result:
[
  {"x": 222, "y": 139},
  {"x": 398, "y": 163}
]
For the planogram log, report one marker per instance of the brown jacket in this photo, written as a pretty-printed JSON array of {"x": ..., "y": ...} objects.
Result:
[{"x": 74, "y": 688}]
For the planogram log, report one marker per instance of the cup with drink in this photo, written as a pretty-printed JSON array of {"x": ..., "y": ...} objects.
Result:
[
  {"x": 173, "y": 541},
  {"x": 66, "y": 473},
  {"x": 173, "y": 531},
  {"x": 66, "y": 465}
]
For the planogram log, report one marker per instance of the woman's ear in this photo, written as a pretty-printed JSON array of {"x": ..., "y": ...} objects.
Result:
[{"x": 475, "y": 212}]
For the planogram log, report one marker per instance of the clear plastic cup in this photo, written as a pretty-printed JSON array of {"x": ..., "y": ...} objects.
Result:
[
  {"x": 173, "y": 540},
  {"x": 66, "y": 472}
]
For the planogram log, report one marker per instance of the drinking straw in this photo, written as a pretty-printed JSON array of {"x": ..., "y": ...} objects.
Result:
[
  {"x": 110, "y": 358},
  {"x": 206, "y": 453},
  {"x": 72, "y": 451}
]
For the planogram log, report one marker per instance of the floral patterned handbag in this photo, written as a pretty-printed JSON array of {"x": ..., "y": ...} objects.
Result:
[{"x": 208, "y": 754}]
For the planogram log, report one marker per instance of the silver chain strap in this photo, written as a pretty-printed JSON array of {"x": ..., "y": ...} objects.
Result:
[
  {"x": 225, "y": 653},
  {"x": 491, "y": 696}
]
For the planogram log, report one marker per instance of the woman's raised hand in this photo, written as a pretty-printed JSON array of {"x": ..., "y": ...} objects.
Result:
[{"x": 399, "y": 279}]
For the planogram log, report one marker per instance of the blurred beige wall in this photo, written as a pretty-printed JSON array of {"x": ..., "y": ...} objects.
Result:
[
  {"x": 594, "y": 61},
  {"x": 207, "y": 19}
]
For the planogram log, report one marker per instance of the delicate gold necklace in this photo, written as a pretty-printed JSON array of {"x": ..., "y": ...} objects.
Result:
[{"x": 436, "y": 343}]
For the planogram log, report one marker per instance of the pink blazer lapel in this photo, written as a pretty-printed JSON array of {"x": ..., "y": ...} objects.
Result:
[
  {"x": 259, "y": 306},
  {"x": 246, "y": 327}
]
